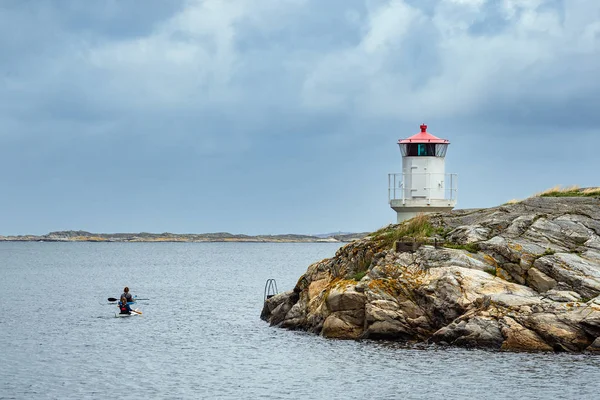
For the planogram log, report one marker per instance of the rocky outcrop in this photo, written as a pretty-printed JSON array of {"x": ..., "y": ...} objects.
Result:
[{"x": 523, "y": 277}]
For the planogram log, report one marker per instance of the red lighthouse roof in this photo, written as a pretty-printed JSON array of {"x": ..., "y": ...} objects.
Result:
[{"x": 423, "y": 137}]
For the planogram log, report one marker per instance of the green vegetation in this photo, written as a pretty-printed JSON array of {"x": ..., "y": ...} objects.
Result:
[
  {"x": 491, "y": 271},
  {"x": 470, "y": 247},
  {"x": 359, "y": 275},
  {"x": 570, "y": 191},
  {"x": 547, "y": 252},
  {"x": 443, "y": 232},
  {"x": 418, "y": 227}
]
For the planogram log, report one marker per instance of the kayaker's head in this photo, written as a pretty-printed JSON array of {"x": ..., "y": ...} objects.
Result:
[
  {"x": 123, "y": 300},
  {"x": 126, "y": 290}
]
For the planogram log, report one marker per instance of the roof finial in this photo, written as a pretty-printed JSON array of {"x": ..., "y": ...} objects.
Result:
[{"x": 423, "y": 128}]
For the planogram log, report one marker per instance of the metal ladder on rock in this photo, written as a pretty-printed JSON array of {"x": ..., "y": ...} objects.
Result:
[{"x": 270, "y": 289}]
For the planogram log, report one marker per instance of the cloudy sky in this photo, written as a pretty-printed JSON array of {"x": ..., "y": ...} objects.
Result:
[{"x": 282, "y": 116}]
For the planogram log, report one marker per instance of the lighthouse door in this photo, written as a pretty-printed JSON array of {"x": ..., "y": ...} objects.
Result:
[{"x": 419, "y": 178}]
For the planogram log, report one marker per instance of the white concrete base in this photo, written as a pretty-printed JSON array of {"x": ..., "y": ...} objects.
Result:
[{"x": 407, "y": 209}]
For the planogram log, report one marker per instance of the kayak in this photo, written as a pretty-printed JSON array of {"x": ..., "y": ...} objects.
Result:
[{"x": 119, "y": 315}]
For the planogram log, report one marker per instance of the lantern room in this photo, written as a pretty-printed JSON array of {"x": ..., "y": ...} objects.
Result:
[{"x": 423, "y": 144}]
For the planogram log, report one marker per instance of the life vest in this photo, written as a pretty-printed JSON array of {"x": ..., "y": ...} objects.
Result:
[{"x": 124, "y": 308}]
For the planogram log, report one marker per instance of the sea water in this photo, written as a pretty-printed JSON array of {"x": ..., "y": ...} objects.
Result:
[{"x": 200, "y": 336}]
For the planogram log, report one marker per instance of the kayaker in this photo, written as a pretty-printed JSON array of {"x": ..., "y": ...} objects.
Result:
[
  {"x": 123, "y": 306},
  {"x": 127, "y": 295}
]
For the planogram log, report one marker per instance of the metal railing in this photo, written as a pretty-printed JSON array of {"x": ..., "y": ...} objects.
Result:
[{"x": 436, "y": 186}]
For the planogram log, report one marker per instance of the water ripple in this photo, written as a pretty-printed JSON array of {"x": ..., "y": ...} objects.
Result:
[{"x": 200, "y": 336}]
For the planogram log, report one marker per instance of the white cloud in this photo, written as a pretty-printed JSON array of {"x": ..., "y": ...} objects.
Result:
[
  {"x": 249, "y": 58},
  {"x": 189, "y": 57},
  {"x": 388, "y": 24},
  {"x": 188, "y": 60},
  {"x": 472, "y": 68}
]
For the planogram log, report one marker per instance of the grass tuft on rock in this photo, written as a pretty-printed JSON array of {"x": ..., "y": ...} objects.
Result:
[
  {"x": 569, "y": 191},
  {"x": 418, "y": 227},
  {"x": 359, "y": 275},
  {"x": 470, "y": 247},
  {"x": 512, "y": 201}
]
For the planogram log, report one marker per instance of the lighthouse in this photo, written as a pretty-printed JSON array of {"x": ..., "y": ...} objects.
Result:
[{"x": 423, "y": 186}]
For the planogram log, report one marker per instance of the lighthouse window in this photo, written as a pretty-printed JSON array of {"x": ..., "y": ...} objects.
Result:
[
  {"x": 421, "y": 149},
  {"x": 440, "y": 150},
  {"x": 404, "y": 149}
]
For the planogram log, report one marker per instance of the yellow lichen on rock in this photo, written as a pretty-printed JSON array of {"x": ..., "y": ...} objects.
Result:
[
  {"x": 316, "y": 287},
  {"x": 490, "y": 260}
]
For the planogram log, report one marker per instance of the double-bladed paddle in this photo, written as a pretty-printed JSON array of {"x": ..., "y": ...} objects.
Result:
[{"x": 112, "y": 299}]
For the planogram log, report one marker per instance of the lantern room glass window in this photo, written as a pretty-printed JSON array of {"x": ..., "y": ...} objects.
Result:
[
  {"x": 440, "y": 150},
  {"x": 423, "y": 149},
  {"x": 403, "y": 150}
]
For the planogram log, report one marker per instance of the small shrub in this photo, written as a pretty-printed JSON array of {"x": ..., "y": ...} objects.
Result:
[
  {"x": 491, "y": 271},
  {"x": 359, "y": 275}
]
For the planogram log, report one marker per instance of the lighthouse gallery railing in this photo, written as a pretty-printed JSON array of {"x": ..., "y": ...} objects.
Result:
[{"x": 398, "y": 191}]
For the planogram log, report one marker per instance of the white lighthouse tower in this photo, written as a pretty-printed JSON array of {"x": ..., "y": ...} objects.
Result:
[{"x": 423, "y": 186}]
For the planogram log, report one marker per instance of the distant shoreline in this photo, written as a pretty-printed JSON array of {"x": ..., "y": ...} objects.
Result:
[{"x": 83, "y": 236}]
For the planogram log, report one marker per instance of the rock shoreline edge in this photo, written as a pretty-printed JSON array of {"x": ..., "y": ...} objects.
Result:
[{"x": 518, "y": 277}]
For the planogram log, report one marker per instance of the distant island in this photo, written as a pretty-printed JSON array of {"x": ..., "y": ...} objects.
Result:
[{"x": 83, "y": 236}]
